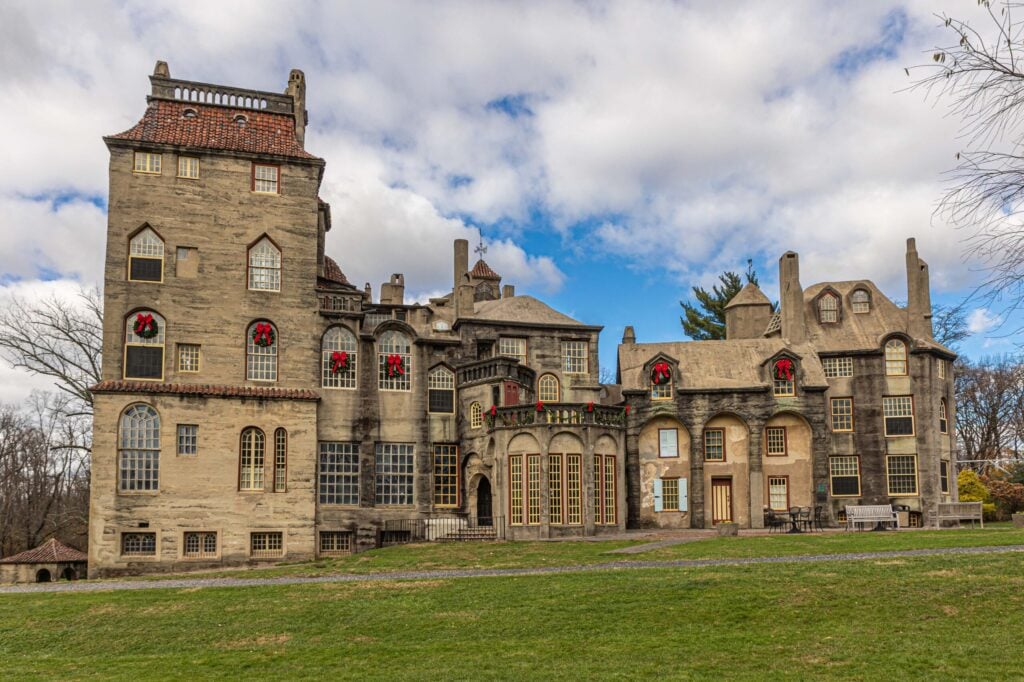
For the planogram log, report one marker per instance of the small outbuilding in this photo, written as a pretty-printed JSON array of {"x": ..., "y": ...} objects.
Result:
[{"x": 49, "y": 562}]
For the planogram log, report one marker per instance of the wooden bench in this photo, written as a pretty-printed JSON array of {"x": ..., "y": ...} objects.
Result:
[
  {"x": 956, "y": 511},
  {"x": 871, "y": 513}
]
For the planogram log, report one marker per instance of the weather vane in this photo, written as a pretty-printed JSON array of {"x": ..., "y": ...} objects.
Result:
[{"x": 481, "y": 249}]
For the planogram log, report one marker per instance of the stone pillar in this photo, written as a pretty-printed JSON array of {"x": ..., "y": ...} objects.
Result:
[
  {"x": 756, "y": 475},
  {"x": 696, "y": 483}
]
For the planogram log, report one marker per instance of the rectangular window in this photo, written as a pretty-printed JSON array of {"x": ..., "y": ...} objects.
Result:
[
  {"x": 555, "y": 489},
  {"x": 662, "y": 391},
  {"x": 842, "y": 414},
  {"x": 147, "y": 163},
  {"x": 335, "y": 542},
  {"x": 512, "y": 348},
  {"x": 942, "y": 368},
  {"x": 142, "y": 269},
  {"x": 338, "y": 479},
  {"x": 138, "y": 544},
  {"x": 574, "y": 357},
  {"x": 446, "y": 475},
  {"x": 844, "y": 474},
  {"x": 200, "y": 545},
  {"x": 783, "y": 387},
  {"x": 573, "y": 490},
  {"x": 533, "y": 489},
  {"x": 901, "y": 472},
  {"x": 610, "y": 506},
  {"x": 837, "y": 367},
  {"x": 280, "y": 461},
  {"x": 264, "y": 179},
  {"x": 188, "y": 357},
  {"x": 188, "y": 167},
  {"x": 778, "y": 492},
  {"x": 899, "y": 415},
  {"x": 668, "y": 442},
  {"x": 714, "y": 445},
  {"x": 670, "y": 494},
  {"x": 144, "y": 362},
  {"x": 188, "y": 439},
  {"x": 597, "y": 488},
  {"x": 944, "y": 477},
  {"x": 266, "y": 545},
  {"x": 775, "y": 440},
  {"x": 515, "y": 489},
  {"x": 394, "y": 473},
  {"x": 140, "y": 470},
  {"x": 441, "y": 391}
]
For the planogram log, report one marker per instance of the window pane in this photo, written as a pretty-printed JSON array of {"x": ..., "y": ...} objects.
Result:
[
  {"x": 394, "y": 473},
  {"x": 902, "y": 474},
  {"x": 842, "y": 414},
  {"x": 895, "y": 358},
  {"x": 555, "y": 489},
  {"x": 446, "y": 475},
  {"x": 714, "y": 445},
  {"x": 670, "y": 494},
  {"x": 513, "y": 348},
  {"x": 188, "y": 439},
  {"x": 845, "y": 475},
  {"x": 251, "y": 460},
  {"x": 144, "y": 362},
  {"x": 339, "y": 473},
  {"x": 776, "y": 440},
  {"x": 574, "y": 357},
  {"x": 338, "y": 359}
]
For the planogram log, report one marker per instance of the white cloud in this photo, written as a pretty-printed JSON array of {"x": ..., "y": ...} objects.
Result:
[{"x": 982, "y": 320}]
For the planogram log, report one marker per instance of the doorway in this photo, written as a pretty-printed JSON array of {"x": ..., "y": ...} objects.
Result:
[
  {"x": 721, "y": 500},
  {"x": 43, "y": 575},
  {"x": 484, "y": 515}
]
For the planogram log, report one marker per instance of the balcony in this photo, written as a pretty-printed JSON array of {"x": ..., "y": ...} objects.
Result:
[
  {"x": 337, "y": 303},
  {"x": 500, "y": 368},
  {"x": 566, "y": 414}
]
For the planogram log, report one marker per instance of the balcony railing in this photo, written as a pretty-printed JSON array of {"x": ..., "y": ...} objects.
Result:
[
  {"x": 333, "y": 303},
  {"x": 496, "y": 368},
  {"x": 575, "y": 414},
  {"x": 442, "y": 529}
]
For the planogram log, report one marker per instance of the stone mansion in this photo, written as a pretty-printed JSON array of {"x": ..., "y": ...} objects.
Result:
[{"x": 256, "y": 406}]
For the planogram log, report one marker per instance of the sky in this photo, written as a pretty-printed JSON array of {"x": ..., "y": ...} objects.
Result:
[{"x": 609, "y": 155}]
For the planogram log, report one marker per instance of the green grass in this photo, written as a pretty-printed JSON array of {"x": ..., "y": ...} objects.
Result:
[{"x": 949, "y": 617}]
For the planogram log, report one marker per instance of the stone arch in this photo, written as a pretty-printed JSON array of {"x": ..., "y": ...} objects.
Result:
[
  {"x": 523, "y": 443},
  {"x": 792, "y": 471},
  {"x": 43, "y": 575},
  {"x": 726, "y": 470},
  {"x": 69, "y": 573},
  {"x": 607, "y": 445}
]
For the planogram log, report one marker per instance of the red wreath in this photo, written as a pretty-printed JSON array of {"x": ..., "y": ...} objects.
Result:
[
  {"x": 784, "y": 369},
  {"x": 661, "y": 372},
  {"x": 339, "y": 361},
  {"x": 395, "y": 365},
  {"x": 145, "y": 326},
  {"x": 540, "y": 406},
  {"x": 263, "y": 335},
  {"x": 627, "y": 410},
  {"x": 590, "y": 406}
]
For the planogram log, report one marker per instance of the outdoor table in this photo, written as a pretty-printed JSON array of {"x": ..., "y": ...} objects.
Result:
[{"x": 793, "y": 515}]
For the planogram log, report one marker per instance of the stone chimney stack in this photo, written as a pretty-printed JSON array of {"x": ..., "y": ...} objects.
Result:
[
  {"x": 162, "y": 70},
  {"x": 297, "y": 90},
  {"x": 464, "y": 303},
  {"x": 919, "y": 297},
  {"x": 628, "y": 335},
  {"x": 508, "y": 291},
  {"x": 794, "y": 327},
  {"x": 393, "y": 291},
  {"x": 461, "y": 262}
]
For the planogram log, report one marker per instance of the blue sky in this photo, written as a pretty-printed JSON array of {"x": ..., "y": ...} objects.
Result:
[{"x": 611, "y": 154}]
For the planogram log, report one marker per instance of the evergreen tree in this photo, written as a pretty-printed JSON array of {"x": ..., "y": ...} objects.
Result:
[{"x": 705, "y": 319}]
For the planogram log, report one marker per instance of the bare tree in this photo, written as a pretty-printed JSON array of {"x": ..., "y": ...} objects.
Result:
[
  {"x": 949, "y": 324},
  {"x": 988, "y": 410}
]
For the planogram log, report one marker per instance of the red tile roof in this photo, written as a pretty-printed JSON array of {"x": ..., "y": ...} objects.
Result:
[
  {"x": 51, "y": 551},
  {"x": 483, "y": 271},
  {"x": 214, "y": 127},
  {"x": 264, "y": 393},
  {"x": 333, "y": 273}
]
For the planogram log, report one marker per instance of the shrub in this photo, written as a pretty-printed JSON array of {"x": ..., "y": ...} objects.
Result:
[
  {"x": 970, "y": 487},
  {"x": 1008, "y": 497}
]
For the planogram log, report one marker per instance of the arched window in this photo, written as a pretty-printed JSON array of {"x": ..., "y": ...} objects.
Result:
[
  {"x": 860, "y": 301},
  {"x": 251, "y": 457},
  {"x": 548, "y": 388},
  {"x": 943, "y": 419},
  {"x": 261, "y": 352},
  {"x": 828, "y": 309},
  {"x": 476, "y": 416},
  {"x": 280, "y": 461},
  {"x": 895, "y": 358},
  {"x": 441, "y": 390},
  {"x": 139, "y": 451},
  {"x": 394, "y": 362},
  {"x": 265, "y": 266},
  {"x": 338, "y": 358},
  {"x": 146, "y": 257},
  {"x": 144, "y": 346}
]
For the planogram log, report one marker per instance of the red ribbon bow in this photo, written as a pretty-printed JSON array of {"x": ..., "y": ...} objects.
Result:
[
  {"x": 143, "y": 322},
  {"x": 263, "y": 332},
  {"x": 494, "y": 410},
  {"x": 339, "y": 360},
  {"x": 540, "y": 406},
  {"x": 627, "y": 409},
  {"x": 395, "y": 365},
  {"x": 784, "y": 369},
  {"x": 590, "y": 406},
  {"x": 661, "y": 370}
]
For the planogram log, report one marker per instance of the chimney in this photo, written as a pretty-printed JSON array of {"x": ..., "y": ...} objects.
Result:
[
  {"x": 162, "y": 70},
  {"x": 794, "y": 327},
  {"x": 464, "y": 298},
  {"x": 398, "y": 289},
  {"x": 508, "y": 291},
  {"x": 367, "y": 293},
  {"x": 297, "y": 90},
  {"x": 628, "y": 335},
  {"x": 919, "y": 298},
  {"x": 461, "y": 263}
]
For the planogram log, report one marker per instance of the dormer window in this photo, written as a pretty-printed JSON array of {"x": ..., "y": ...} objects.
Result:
[
  {"x": 860, "y": 301},
  {"x": 783, "y": 378},
  {"x": 661, "y": 380},
  {"x": 189, "y": 113},
  {"x": 828, "y": 308},
  {"x": 240, "y": 120}
]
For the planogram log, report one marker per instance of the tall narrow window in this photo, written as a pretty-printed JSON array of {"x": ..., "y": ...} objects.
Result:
[
  {"x": 574, "y": 489},
  {"x": 145, "y": 162},
  {"x": 265, "y": 179},
  {"x": 139, "y": 451},
  {"x": 574, "y": 357},
  {"x": 394, "y": 362},
  {"x": 778, "y": 492},
  {"x": 842, "y": 414},
  {"x": 548, "y": 388},
  {"x": 146, "y": 257},
  {"x": 446, "y": 475},
  {"x": 942, "y": 368},
  {"x": 476, "y": 415},
  {"x": 250, "y": 459},
  {"x": 338, "y": 478},
  {"x": 261, "y": 352},
  {"x": 828, "y": 309},
  {"x": 610, "y": 506},
  {"x": 860, "y": 301},
  {"x": 943, "y": 420},
  {"x": 338, "y": 354},
  {"x": 280, "y": 461},
  {"x": 775, "y": 441},
  {"x": 895, "y": 358},
  {"x": 512, "y": 347},
  {"x": 144, "y": 346},
  {"x": 555, "y": 489},
  {"x": 844, "y": 475},
  {"x": 944, "y": 477},
  {"x": 188, "y": 439},
  {"x": 515, "y": 490},
  {"x": 188, "y": 167},
  {"x": 898, "y": 412},
  {"x": 901, "y": 472},
  {"x": 441, "y": 391},
  {"x": 533, "y": 489},
  {"x": 714, "y": 445},
  {"x": 670, "y": 494},
  {"x": 264, "y": 266},
  {"x": 394, "y": 473}
]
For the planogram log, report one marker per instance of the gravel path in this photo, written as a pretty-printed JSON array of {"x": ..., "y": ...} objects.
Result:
[{"x": 185, "y": 583}]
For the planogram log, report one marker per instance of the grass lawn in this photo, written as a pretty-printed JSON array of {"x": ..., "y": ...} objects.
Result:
[{"x": 949, "y": 617}]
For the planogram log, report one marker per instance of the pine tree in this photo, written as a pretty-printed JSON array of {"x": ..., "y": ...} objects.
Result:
[{"x": 709, "y": 324}]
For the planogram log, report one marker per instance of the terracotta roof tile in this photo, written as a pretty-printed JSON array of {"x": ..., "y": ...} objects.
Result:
[
  {"x": 51, "y": 551},
  {"x": 333, "y": 273},
  {"x": 483, "y": 271},
  {"x": 214, "y": 128},
  {"x": 217, "y": 391}
]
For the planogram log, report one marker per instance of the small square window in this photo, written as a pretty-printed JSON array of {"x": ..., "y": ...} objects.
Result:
[
  {"x": 138, "y": 544},
  {"x": 775, "y": 439},
  {"x": 335, "y": 542},
  {"x": 200, "y": 545},
  {"x": 266, "y": 545},
  {"x": 188, "y": 167},
  {"x": 188, "y": 439},
  {"x": 147, "y": 163},
  {"x": 188, "y": 357},
  {"x": 264, "y": 179}
]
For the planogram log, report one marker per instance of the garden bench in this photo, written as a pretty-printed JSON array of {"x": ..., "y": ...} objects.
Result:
[
  {"x": 871, "y": 513},
  {"x": 957, "y": 511}
]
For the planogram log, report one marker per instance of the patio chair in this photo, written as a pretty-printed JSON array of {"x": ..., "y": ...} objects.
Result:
[
  {"x": 773, "y": 521},
  {"x": 818, "y": 511},
  {"x": 805, "y": 520}
]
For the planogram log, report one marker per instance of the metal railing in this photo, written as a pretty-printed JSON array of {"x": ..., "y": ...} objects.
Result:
[
  {"x": 442, "y": 529},
  {"x": 580, "y": 414}
]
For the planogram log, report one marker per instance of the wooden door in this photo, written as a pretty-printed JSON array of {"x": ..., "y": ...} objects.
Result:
[
  {"x": 721, "y": 500},
  {"x": 511, "y": 393}
]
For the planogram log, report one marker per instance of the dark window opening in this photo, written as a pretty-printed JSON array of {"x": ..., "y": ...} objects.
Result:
[
  {"x": 144, "y": 362},
  {"x": 146, "y": 269}
]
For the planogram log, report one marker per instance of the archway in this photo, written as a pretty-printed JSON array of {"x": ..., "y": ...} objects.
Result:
[
  {"x": 484, "y": 514},
  {"x": 43, "y": 575},
  {"x": 69, "y": 573}
]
